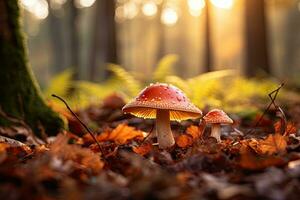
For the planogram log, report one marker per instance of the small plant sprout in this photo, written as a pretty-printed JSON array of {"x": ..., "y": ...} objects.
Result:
[
  {"x": 162, "y": 102},
  {"x": 217, "y": 117}
]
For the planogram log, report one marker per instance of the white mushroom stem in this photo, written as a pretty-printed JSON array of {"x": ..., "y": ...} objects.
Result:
[
  {"x": 216, "y": 131},
  {"x": 163, "y": 129}
]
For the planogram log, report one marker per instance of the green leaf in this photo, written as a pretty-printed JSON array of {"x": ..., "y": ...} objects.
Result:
[
  {"x": 165, "y": 67},
  {"x": 127, "y": 79},
  {"x": 60, "y": 84}
]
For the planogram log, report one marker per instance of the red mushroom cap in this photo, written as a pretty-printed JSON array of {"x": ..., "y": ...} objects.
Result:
[
  {"x": 217, "y": 116},
  {"x": 165, "y": 97}
]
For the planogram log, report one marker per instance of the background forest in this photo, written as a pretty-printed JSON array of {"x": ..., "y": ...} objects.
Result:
[
  {"x": 76, "y": 34},
  {"x": 218, "y": 117},
  {"x": 171, "y": 41}
]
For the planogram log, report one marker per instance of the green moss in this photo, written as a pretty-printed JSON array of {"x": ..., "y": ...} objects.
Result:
[{"x": 20, "y": 94}]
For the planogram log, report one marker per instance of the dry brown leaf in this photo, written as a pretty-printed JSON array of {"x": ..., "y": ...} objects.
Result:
[
  {"x": 192, "y": 134},
  {"x": 194, "y": 131},
  {"x": 144, "y": 149},
  {"x": 274, "y": 143},
  {"x": 121, "y": 134},
  {"x": 290, "y": 128},
  {"x": 83, "y": 156},
  {"x": 184, "y": 141},
  {"x": 253, "y": 161}
]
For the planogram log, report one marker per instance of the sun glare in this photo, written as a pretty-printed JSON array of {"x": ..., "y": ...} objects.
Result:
[
  {"x": 39, "y": 8},
  {"x": 149, "y": 8},
  {"x": 85, "y": 3},
  {"x": 224, "y": 4},
  {"x": 130, "y": 10},
  {"x": 195, "y": 7},
  {"x": 169, "y": 16}
]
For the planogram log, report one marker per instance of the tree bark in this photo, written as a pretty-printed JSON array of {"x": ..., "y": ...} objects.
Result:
[
  {"x": 207, "y": 41},
  {"x": 257, "y": 58},
  {"x": 104, "y": 39},
  {"x": 161, "y": 50},
  {"x": 20, "y": 94},
  {"x": 56, "y": 41},
  {"x": 74, "y": 40}
]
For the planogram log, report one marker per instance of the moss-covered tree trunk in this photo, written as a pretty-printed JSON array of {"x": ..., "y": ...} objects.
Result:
[{"x": 19, "y": 92}]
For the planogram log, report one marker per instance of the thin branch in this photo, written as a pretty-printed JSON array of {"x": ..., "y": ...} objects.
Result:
[
  {"x": 150, "y": 133},
  {"x": 273, "y": 98},
  {"x": 83, "y": 124}
]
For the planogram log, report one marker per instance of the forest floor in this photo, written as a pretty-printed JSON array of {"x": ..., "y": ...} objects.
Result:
[{"x": 257, "y": 159}]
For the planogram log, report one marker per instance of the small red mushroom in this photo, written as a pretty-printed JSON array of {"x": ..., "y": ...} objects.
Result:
[
  {"x": 217, "y": 117},
  {"x": 164, "y": 102}
]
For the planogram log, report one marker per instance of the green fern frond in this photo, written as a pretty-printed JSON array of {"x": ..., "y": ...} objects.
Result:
[
  {"x": 60, "y": 84},
  {"x": 128, "y": 81},
  {"x": 165, "y": 67},
  {"x": 180, "y": 83},
  {"x": 213, "y": 75}
]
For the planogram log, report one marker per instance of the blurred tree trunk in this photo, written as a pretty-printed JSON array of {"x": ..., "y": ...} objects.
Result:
[
  {"x": 207, "y": 42},
  {"x": 56, "y": 41},
  {"x": 74, "y": 39},
  {"x": 256, "y": 38},
  {"x": 291, "y": 58},
  {"x": 161, "y": 34},
  {"x": 20, "y": 95},
  {"x": 104, "y": 39}
]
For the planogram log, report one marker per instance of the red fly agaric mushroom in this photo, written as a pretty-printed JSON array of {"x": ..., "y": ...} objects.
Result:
[
  {"x": 217, "y": 117},
  {"x": 163, "y": 102}
]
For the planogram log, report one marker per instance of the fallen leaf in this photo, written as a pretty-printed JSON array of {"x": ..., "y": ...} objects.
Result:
[
  {"x": 184, "y": 141},
  {"x": 194, "y": 131},
  {"x": 83, "y": 156},
  {"x": 144, "y": 149},
  {"x": 121, "y": 134},
  {"x": 250, "y": 160},
  {"x": 290, "y": 128},
  {"x": 274, "y": 143}
]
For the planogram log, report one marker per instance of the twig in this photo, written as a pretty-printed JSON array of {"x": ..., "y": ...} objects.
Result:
[
  {"x": 83, "y": 124},
  {"x": 275, "y": 92},
  {"x": 283, "y": 120},
  {"x": 148, "y": 134}
]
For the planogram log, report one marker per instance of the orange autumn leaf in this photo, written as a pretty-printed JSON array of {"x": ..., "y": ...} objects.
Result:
[
  {"x": 184, "y": 141},
  {"x": 144, "y": 149},
  {"x": 194, "y": 131},
  {"x": 192, "y": 134},
  {"x": 253, "y": 161},
  {"x": 121, "y": 134},
  {"x": 290, "y": 128},
  {"x": 274, "y": 143}
]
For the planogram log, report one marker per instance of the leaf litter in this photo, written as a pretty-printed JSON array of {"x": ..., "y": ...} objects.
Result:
[{"x": 129, "y": 165}]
